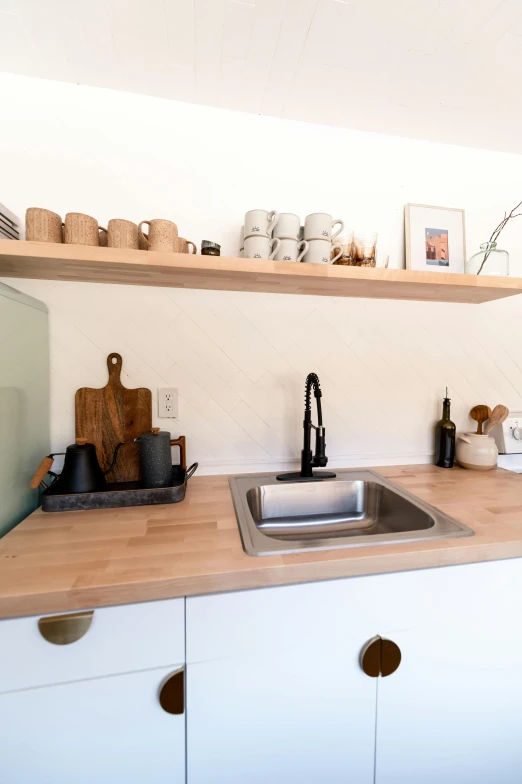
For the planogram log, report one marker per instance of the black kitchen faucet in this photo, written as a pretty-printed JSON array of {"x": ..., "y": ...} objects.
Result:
[{"x": 309, "y": 462}]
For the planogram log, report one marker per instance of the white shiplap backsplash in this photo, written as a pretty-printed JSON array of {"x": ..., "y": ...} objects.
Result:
[{"x": 239, "y": 361}]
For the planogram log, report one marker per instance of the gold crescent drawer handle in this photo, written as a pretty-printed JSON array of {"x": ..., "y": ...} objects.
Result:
[
  {"x": 172, "y": 693},
  {"x": 65, "y": 629}
]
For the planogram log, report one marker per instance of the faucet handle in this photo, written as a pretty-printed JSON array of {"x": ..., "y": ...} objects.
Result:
[{"x": 320, "y": 459}]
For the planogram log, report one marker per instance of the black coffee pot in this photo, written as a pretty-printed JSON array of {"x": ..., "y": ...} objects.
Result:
[
  {"x": 156, "y": 458},
  {"x": 81, "y": 472}
]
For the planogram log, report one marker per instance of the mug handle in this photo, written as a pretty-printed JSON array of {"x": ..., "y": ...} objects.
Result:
[
  {"x": 144, "y": 237},
  {"x": 304, "y": 245},
  {"x": 273, "y": 217},
  {"x": 189, "y": 242},
  {"x": 274, "y": 244},
  {"x": 103, "y": 239},
  {"x": 334, "y": 248},
  {"x": 182, "y": 450},
  {"x": 339, "y": 230}
]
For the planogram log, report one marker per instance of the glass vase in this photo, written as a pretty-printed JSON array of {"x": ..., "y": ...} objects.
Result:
[{"x": 490, "y": 260}]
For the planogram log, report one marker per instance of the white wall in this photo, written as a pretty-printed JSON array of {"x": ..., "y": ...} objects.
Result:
[{"x": 240, "y": 359}]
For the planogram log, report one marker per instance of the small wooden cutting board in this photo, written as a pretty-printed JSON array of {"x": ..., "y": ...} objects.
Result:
[{"x": 107, "y": 416}]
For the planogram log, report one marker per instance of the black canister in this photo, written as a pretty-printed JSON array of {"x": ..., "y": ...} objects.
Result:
[
  {"x": 209, "y": 248},
  {"x": 156, "y": 457}
]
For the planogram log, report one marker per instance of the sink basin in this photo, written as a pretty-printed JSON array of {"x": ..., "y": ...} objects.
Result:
[{"x": 354, "y": 509}]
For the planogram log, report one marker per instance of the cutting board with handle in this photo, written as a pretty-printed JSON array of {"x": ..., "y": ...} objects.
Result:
[{"x": 107, "y": 416}]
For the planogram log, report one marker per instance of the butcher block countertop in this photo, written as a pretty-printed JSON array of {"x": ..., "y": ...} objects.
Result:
[{"x": 70, "y": 560}]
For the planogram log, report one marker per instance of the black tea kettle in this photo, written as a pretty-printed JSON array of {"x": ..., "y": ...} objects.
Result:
[{"x": 81, "y": 472}]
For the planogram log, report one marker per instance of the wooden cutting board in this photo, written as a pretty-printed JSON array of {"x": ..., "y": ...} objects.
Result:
[{"x": 112, "y": 414}]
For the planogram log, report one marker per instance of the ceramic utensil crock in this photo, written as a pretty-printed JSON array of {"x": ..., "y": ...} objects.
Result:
[{"x": 479, "y": 453}]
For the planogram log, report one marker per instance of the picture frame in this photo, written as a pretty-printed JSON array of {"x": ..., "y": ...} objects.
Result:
[{"x": 435, "y": 238}]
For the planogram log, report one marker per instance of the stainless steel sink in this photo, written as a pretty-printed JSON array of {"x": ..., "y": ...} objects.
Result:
[{"x": 354, "y": 509}]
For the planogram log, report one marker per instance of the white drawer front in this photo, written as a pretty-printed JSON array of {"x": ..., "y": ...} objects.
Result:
[{"x": 120, "y": 639}]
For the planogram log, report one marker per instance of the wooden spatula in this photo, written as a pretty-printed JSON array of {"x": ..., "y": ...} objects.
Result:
[
  {"x": 480, "y": 414},
  {"x": 497, "y": 416}
]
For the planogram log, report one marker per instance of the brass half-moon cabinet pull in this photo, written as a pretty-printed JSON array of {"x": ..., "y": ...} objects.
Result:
[
  {"x": 65, "y": 629},
  {"x": 172, "y": 693},
  {"x": 380, "y": 657}
]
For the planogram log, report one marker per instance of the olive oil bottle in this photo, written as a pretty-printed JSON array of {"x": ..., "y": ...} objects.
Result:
[{"x": 445, "y": 437}]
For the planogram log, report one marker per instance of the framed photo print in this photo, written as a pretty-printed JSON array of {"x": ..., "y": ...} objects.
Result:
[{"x": 435, "y": 238}]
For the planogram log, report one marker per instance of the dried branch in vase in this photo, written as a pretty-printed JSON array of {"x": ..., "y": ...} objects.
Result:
[{"x": 507, "y": 217}]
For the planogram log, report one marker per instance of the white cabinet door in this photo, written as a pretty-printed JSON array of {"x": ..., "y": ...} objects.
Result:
[
  {"x": 104, "y": 730},
  {"x": 274, "y": 688},
  {"x": 452, "y": 712},
  {"x": 279, "y": 719}
]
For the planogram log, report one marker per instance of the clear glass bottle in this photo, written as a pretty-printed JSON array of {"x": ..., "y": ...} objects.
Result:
[{"x": 490, "y": 260}]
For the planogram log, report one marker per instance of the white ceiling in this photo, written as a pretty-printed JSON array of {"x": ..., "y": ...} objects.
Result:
[{"x": 446, "y": 70}]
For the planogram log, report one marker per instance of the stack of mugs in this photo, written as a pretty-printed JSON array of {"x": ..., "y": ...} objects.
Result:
[
  {"x": 272, "y": 235},
  {"x": 280, "y": 236},
  {"x": 320, "y": 232}
]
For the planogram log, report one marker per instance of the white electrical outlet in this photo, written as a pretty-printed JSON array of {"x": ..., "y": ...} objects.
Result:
[{"x": 167, "y": 403}]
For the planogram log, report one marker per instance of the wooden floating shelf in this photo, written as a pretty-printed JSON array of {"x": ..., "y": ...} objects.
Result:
[{"x": 48, "y": 261}]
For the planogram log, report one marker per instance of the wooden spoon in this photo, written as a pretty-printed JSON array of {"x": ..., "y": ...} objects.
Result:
[
  {"x": 497, "y": 416},
  {"x": 480, "y": 414}
]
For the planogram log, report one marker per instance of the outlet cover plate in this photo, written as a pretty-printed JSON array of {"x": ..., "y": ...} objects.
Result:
[{"x": 167, "y": 403}]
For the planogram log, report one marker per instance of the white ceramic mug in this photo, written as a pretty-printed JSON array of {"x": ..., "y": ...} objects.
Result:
[
  {"x": 291, "y": 250},
  {"x": 320, "y": 251},
  {"x": 242, "y": 238},
  {"x": 261, "y": 247},
  {"x": 320, "y": 226},
  {"x": 260, "y": 223},
  {"x": 287, "y": 226}
]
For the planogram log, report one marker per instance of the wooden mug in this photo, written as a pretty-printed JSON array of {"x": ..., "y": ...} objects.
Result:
[
  {"x": 183, "y": 246},
  {"x": 42, "y": 225},
  {"x": 122, "y": 234},
  {"x": 162, "y": 236},
  {"x": 81, "y": 229}
]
